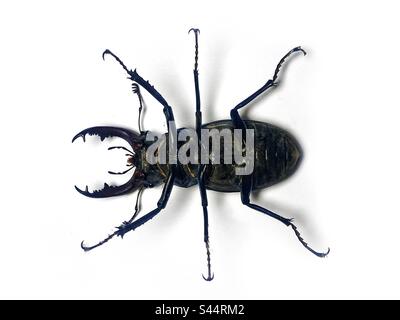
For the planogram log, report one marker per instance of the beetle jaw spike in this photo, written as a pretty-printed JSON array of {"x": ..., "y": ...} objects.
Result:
[
  {"x": 110, "y": 190},
  {"x": 109, "y": 132}
]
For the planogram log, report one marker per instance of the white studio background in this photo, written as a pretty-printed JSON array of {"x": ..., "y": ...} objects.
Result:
[{"x": 341, "y": 102}]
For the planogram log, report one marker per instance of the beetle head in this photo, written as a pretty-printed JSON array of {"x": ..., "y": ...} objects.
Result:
[{"x": 136, "y": 142}]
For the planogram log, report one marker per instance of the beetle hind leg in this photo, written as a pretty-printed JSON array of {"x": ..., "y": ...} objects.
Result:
[
  {"x": 305, "y": 244},
  {"x": 272, "y": 83},
  {"x": 245, "y": 194},
  {"x": 289, "y": 223}
]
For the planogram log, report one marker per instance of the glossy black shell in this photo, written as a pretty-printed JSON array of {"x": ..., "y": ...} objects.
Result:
[{"x": 277, "y": 156}]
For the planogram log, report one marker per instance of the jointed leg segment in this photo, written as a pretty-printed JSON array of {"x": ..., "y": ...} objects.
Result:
[
  {"x": 134, "y": 76},
  {"x": 202, "y": 168},
  {"x": 237, "y": 121},
  {"x": 132, "y": 224},
  {"x": 245, "y": 195},
  {"x": 247, "y": 180}
]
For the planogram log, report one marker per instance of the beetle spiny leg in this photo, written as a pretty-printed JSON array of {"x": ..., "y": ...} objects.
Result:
[
  {"x": 109, "y": 237},
  {"x": 210, "y": 275},
  {"x": 118, "y": 231},
  {"x": 278, "y": 67},
  {"x": 118, "y": 60},
  {"x": 196, "y": 55},
  {"x": 88, "y": 248},
  {"x": 305, "y": 244}
]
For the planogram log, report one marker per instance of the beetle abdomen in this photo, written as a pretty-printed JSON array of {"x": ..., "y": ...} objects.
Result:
[{"x": 276, "y": 157}]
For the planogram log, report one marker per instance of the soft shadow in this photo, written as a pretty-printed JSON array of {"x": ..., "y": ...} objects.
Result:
[
  {"x": 219, "y": 51},
  {"x": 178, "y": 206},
  {"x": 179, "y": 100}
]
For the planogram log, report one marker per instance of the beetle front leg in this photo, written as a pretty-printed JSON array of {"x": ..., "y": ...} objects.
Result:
[
  {"x": 132, "y": 224},
  {"x": 161, "y": 204},
  {"x": 134, "y": 76}
]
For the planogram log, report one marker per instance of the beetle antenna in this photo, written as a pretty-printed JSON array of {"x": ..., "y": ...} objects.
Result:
[
  {"x": 136, "y": 90},
  {"x": 137, "y": 205},
  {"x": 120, "y": 147},
  {"x": 123, "y": 172}
]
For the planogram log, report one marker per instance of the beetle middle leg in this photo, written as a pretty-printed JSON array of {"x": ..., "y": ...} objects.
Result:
[
  {"x": 202, "y": 168},
  {"x": 204, "y": 204},
  {"x": 245, "y": 196}
]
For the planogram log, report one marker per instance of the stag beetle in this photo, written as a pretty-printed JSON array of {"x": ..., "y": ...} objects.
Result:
[{"x": 276, "y": 154}]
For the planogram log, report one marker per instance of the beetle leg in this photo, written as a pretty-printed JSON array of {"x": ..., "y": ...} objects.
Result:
[
  {"x": 287, "y": 55},
  {"x": 204, "y": 204},
  {"x": 134, "y": 76},
  {"x": 196, "y": 80},
  {"x": 109, "y": 237},
  {"x": 202, "y": 168},
  {"x": 269, "y": 84},
  {"x": 132, "y": 224},
  {"x": 245, "y": 195}
]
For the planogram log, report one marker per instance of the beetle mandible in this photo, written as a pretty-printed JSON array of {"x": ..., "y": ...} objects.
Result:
[{"x": 276, "y": 153}]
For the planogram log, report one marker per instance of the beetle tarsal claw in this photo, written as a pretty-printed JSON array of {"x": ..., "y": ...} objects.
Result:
[
  {"x": 324, "y": 254},
  {"x": 302, "y": 50},
  {"x": 195, "y": 30},
  {"x": 105, "y": 52},
  {"x": 85, "y": 248},
  {"x": 209, "y": 277}
]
